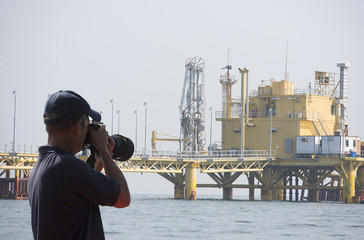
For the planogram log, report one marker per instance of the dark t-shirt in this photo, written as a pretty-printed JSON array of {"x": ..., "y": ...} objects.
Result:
[{"x": 65, "y": 194}]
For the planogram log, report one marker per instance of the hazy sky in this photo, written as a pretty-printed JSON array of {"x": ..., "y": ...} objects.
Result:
[{"x": 135, "y": 51}]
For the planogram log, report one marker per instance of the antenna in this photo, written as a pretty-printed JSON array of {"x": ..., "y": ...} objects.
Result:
[
  {"x": 227, "y": 81},
  {"x": 285, "y": 70},
  {"x": 228, "y": 66}
]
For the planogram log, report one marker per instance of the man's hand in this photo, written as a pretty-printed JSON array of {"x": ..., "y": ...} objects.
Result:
[
  {"x": 98, "y": 163},
  {"x": 99, "y": 138},
  {"x": 104, "y": 146}
]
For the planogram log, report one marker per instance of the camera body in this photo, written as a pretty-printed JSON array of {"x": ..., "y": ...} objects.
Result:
[{"x": 123, "y": 147}]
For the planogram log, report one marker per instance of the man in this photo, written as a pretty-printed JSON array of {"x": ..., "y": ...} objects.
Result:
[{"x": 65, "y": 192}]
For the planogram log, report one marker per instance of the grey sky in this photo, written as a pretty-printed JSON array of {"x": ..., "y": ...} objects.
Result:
[{"x": 134, "y": 51}]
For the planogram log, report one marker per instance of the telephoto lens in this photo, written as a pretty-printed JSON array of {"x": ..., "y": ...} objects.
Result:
[{"x": 123, "y": 147}]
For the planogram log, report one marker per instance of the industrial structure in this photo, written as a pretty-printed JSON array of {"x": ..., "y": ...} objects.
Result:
[
  {"x": 227, "y": 81},
  {"x": 192, "y": 106},
  {"x": 294, "y": 114},
  {"x": 292, "y": 145},
  {"x": 308, "y": 131}
]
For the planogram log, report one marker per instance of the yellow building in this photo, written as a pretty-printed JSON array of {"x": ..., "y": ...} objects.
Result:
[{"x": 315, "y": 112}]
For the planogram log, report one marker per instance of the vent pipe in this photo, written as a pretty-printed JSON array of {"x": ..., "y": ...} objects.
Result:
[
  {"x": 343, "y": 93},
  {"x": 243, "y": 72}
]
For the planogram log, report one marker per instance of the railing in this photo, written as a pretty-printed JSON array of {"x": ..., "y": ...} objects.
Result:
[
  {"x": 262, "y": 114},
  {"x": 222, "y": 154},
  {"x": 256, "y": 93},
  {"x": 19, "y": 148},
  {"x": 223, "y": 114},
  {"x": 311, "y": 115},
  {"x": 297, "y": 91},
  {"x": 167, "y": 154}
]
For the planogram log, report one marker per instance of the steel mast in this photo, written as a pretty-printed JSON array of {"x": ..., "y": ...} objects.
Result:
[{"x": 192, "y": 106}]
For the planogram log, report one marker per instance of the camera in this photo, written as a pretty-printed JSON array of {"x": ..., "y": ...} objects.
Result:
[{"x": 123, "y": 147}]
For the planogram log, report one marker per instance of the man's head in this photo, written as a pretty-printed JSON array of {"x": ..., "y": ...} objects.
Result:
[
  {"x": 66, "y": 115},
  {"x": 64, "y": 106}
]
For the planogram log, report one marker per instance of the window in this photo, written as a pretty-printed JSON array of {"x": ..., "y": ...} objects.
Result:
[{"x": 288, "y": 145}]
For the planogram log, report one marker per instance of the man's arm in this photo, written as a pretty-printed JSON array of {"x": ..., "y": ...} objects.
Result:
[{"x": 100, "y": 139}]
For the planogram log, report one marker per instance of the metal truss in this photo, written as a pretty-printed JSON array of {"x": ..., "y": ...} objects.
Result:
[
  {"x": 152, "y": 165},
  {"x": 233, "y": 165},
  {"x": 23, "y": 161},
  {"x": 9, "y": 161},
  {"x": 17, "y": 162}
]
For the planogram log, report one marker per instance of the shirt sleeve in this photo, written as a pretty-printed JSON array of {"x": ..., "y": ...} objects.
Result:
[{"x": 95, "y": 186}]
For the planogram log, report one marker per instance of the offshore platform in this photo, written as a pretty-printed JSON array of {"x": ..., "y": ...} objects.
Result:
[
  {"x": 308, "y": 131},
  {"x": 292, "y": 145}
]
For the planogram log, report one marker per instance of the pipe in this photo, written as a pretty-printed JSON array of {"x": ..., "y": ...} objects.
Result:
[
  {"x": 343, "y": 92},
  {"x": 242, "y": 123},
  {"x": 247, "y": 97}
]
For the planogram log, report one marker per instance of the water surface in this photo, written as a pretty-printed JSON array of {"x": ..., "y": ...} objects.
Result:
[{"x": 162, "y": 217}]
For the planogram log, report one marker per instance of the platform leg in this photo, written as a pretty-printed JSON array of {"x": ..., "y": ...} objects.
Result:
[
  {"x": 227, "y": 192},
  {"x": 349, "y": 183},
  {"x": 251, "y": 189},
  {"x": 278, "y": 193},
  {"x": 359, "y": 191},
  {"x": 313, "y": 194},
  {"x": 266, "y": 192},
  {"x": 16, "y": 185},
  {"x": 179, "y": 190},
  {"x": 190, "y": 182}
]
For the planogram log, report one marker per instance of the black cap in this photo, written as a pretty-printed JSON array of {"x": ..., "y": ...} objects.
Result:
[{"x": 67, "y": 105}]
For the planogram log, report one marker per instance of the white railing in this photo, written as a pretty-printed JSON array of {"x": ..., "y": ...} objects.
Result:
[
  {"x": 19, "y": 148},
  {"x": 262, "y": 114},
  {"x": 164, "y": 154},
  {"x": 256, "y": 93},
  {"x": 223, "y": 114},
  {"x": 222, "y": 154}
]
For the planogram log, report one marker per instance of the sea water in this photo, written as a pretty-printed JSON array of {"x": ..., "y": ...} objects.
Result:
[{"x": 162, "y": 217}]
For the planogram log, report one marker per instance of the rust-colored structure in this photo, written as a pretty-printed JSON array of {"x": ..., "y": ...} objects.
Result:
[{"x": 14, "y": 175}]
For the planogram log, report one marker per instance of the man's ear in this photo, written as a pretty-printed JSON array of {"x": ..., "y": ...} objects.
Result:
[{"x": 77, "y": 127}]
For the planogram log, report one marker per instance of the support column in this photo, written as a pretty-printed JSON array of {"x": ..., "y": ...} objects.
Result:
[
  {"x": 313, "y": 194},
  {"x": 284, "y": 189},
  {"x": 359, "y": 191},
  {"x": 227, "y": 192},
  {"x": 7, "y": 176},
  {"x": 290, "y": 184},
  {"x": 190, "y": 182},
  {"x": 297, "y": 189},
  {"x": 251, "y": 189},
  {"x": 278, "y": 192},
  {"x": 349, "y": 182},
  {"x": 16, "y": 184},
  {"x": 266, "y": 192},
  {"x": 179, "y": 190}
]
